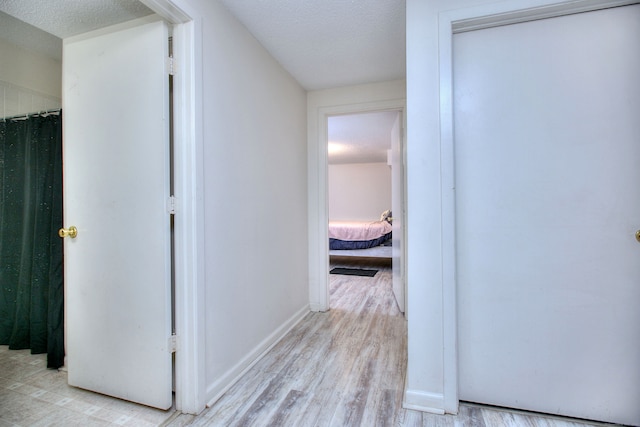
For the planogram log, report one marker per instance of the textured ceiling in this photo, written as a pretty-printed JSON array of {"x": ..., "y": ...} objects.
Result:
[
  {"x": 29, "y": 37},
  {"x": 333, "y": 43},
  {"x": 59, "y": 19},
  {"x": 65, "y": 18},
  {"x": 322, "y": 43},
  {"x": 329, "y": 43}
]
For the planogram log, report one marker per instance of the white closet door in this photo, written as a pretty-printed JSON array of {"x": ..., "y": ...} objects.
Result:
[
  {"x": 116, "y": 185},
  {"x": 547, "y": 140}
]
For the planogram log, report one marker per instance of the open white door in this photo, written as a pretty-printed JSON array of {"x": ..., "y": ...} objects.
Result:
[
  {"x": 397, "y": 208},
  {"x": 116, "y": 187}
]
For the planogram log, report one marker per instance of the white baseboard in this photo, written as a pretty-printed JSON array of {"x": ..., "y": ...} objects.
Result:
[
  {"x": 423, "y": 401},
  {"x": 316, "y": 307},
  {"x": 229, "y": 378}
]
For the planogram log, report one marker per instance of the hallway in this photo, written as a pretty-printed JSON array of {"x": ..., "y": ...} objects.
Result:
[
  {"x": 342, "y": 367},
  {"x": 345, "y": 367}
]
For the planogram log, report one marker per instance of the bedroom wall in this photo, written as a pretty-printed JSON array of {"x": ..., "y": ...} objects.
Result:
[
  {"x": 359, "y": 191},
  {"x": 28, "y": 81},
  {"x": 255, "y": 197}
]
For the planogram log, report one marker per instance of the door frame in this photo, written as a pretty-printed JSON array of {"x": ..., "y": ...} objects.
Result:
[
  {"x": 189, "y": 364},
  {"x": 450, "y": 23},
  {"x": 319, "y": 207}
]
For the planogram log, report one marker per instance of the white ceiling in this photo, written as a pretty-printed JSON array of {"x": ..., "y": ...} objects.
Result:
[
  {"x": 50, "y": 21},
  {"x": 29, "y": 37},
  {"x": 360, "y": 138},
  {"x": 329, "y": 43},
  {"x": 333, "y": 43},
  {"x": 65, "y": 18},
  {"x": 322, "y": 44}
]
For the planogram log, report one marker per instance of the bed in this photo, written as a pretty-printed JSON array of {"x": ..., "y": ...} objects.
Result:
[{"x": 353, "y": 235}]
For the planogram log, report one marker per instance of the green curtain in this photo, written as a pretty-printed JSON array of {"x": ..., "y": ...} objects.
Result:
[{"x": 31, "y": 271}]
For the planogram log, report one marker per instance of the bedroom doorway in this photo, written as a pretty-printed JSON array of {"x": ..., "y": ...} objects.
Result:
[{"x": 366, "y": 193}]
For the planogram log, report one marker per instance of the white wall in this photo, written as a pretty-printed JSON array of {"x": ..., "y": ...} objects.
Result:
[
  {"x": 431, "y": 373},
  {"x": 255, "y": 197},
  {"x": 359, "y": 191},
  {"x": 28, "y": 81}
]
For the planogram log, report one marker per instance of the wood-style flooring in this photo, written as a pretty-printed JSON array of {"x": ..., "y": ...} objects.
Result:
[{"x": 345, "y": 367}]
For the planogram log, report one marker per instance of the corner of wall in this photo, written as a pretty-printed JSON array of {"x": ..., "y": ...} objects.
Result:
[{"x": 224, "y": 382}]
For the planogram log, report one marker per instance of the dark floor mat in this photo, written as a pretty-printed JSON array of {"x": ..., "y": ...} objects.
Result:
[{"x": 354, "y": 272}]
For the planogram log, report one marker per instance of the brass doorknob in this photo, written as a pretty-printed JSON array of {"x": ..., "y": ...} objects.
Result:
[
  {"x": 68, "y": 232},
  {"x": 638, "y": 235}
]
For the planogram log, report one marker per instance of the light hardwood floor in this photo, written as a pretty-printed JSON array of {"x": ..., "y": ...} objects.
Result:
[{"x": 344, "y": 367}]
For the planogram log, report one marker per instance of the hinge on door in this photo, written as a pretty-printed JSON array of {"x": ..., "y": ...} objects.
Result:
[
  {"x": 171, "y": 205},
  {"x": 171, "y": 66},
  {"x": 173, "y": 343}
]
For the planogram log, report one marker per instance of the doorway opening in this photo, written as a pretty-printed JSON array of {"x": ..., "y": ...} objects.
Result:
[
  {"x": 365, "y": 183},
  {"x": 320, "y": 110}
]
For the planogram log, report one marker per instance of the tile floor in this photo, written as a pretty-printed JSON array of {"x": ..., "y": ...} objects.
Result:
[{"x": 32, "y": 395}]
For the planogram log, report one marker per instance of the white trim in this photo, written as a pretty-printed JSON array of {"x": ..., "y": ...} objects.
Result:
[
  {"x": 425, "y": 402},
  {"x": 229, "y": 378},
  {"x": 169, "y": 10},
  {"x": 534, "y": 11},
  {"x": 319, "y": 225},
  {"x": 319, "y": 246},
  {"x": 316, "y": 307},
  {"x": 189, "y": 219},
  {"x": 450, "y": 22},
  {"x": 112, "y": 29},
  {"x": 448, "y": 248}
]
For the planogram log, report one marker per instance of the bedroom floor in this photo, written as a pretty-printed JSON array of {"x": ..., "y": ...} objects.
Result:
[{"x": 344, "y": 367}]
